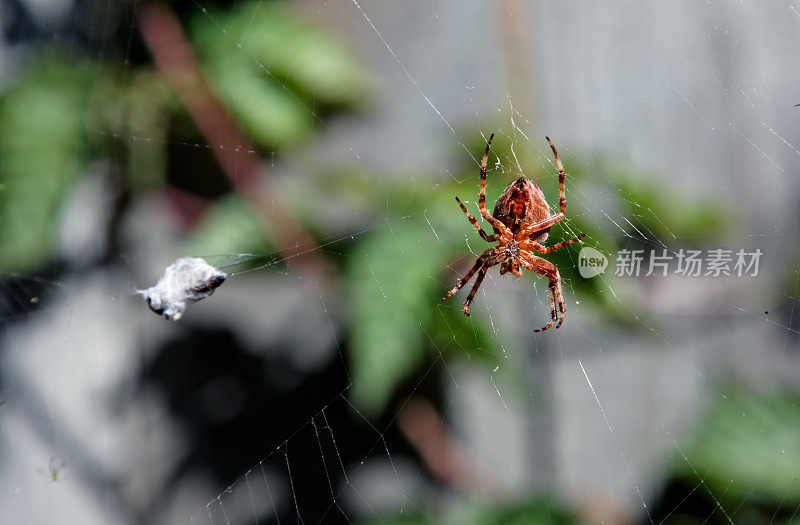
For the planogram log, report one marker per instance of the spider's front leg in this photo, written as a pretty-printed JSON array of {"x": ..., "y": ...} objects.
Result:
[
  {"x": 487, "y": 238},
  {"x": 562, "y": 199},
  {"x": 497, "y": 224},
  {"x": 541, "y": 248}
]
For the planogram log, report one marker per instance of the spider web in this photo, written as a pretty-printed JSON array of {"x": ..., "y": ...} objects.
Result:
[{"x": 595, "y": 417}]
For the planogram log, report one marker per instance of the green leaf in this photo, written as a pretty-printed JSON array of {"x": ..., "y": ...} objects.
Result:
[
  {"x": 275, "y": 69},
  {"x": 753, "y": 440},
  {"x": 451, "y": 332},
  {"x": 534, "y": 510},
  {"x": 229, "y": 227},
  {"x": 392, "y": 296},
  {"x": 292, "y": 48},
  {"x": 664, "y": 213},
  {"x": 269, "y": 113},
  {"x": 42, "y": 151},
  {"x": 143, "y": 128}
]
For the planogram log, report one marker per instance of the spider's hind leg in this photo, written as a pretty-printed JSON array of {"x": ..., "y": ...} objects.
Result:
[
  {"x": 553, "y": 314},
  {"x": 478, "y": 281},
  {"x": 475, "y": 267},
  {"x": 561, "y": 308},
  {"x": 557, "y": 308}
]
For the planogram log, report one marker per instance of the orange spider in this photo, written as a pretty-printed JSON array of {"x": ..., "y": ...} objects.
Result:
[{"x": 521, "y": 221}]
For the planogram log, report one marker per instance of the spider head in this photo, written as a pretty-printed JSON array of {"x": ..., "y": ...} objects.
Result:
[{"x": 510, "y": 264}]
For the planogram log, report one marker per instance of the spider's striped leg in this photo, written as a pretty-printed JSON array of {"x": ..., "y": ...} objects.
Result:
[
  {"x": 553, "y": 315},
  {"x": 482, "y": 197},
  {"x": 563, "y": 244},
  {"x": 478, "y": 281},
  {"x": 461, "y": 282},
  {"x": 487, "y": 238},
  {"x": 562, "y": 199},
  {"x": 541, "y": 225},
  {"x": 561, "y": 308},
  {"x": 548, "y": 269}
]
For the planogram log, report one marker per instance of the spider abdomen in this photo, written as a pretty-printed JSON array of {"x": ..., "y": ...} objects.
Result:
[{"x": 522, "y": 203}]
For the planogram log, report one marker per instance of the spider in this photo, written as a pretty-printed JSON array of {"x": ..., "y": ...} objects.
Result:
[{"x": 521, "y": 221}]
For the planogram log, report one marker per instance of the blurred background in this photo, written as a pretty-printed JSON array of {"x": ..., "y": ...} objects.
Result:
[{"x": 312, "y": 150}]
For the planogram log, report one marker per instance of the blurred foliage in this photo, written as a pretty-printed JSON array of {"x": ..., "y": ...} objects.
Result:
[
  {"x": 746, "y": 451},
  {"x": 64, "y": 113},
  {"x": 390, "y": 293},
  {"x": 393, "y": 288},
  {"x": 533, "y": 511},
  {"x": 275, "y": 70},
  {"x": 44, "y": 148},
  {"x": 658, "y": 213},
  {"x": 230, "y": 227}
]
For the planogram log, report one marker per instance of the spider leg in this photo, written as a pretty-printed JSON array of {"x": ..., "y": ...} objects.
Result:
[
  {"x": 562, "y": 196},
  {"x": 562, "y": 309},
  {"x": 562, "y": 199},
  {"x": 482, "y": 197},
  {"x": 487, "y": 238},
  {"x": 478, "y": 281},
  {"x": 548, "y": 269},
  {"x": 541, "y": 225},
  {"x": 461, "y": 282},
  {"x": 547, "y": 249}
]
